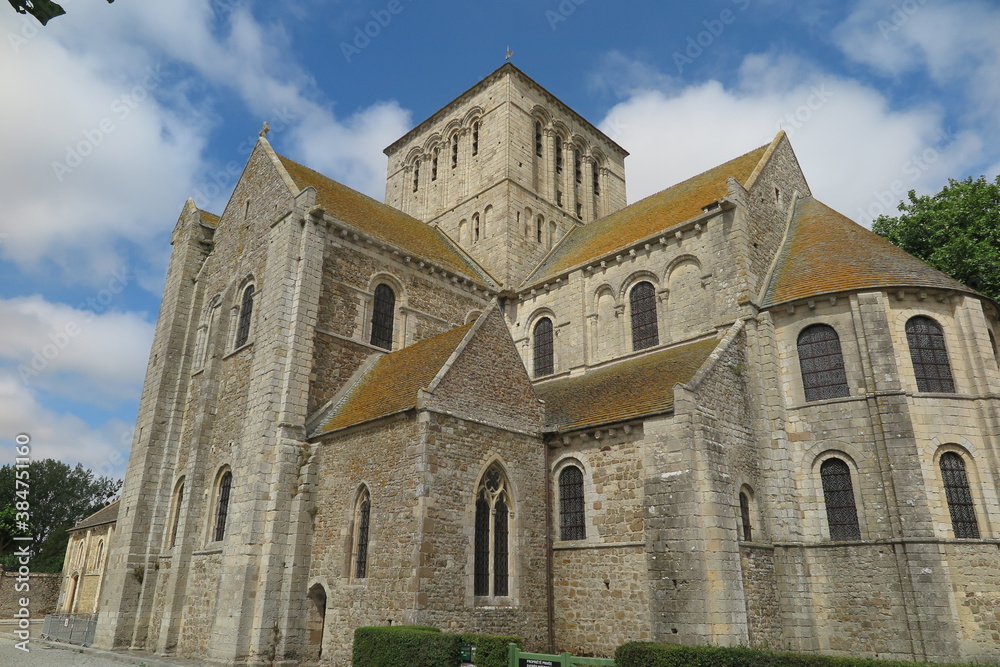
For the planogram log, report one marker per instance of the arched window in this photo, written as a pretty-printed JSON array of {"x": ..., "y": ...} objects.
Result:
[
  {"x": 246, "y": 311},
  {"x": 571, "y": 503},
  {"x": 475, "y": 227},
  {"x": 416, "y": 174},
  {"x": 98, "y": 555},
  {"x": 577, "y": 165},
  {"x": 822, "y": 363},
  {"x": 362, "y": 521},
  {"x": 642, "y": 299},
  {"x": 491, "y": 560},
  {"x": 176, "y": 517},
  {"x": 956, "y": 489},
  {"x": 382, "y": 316},
  {"x": 838, "y": 492},
  {"x": 539, "y": 228},
  {"x": 454, "y": 151},
  {"x": 929, "y": 355},
  {"x": 538, "y": 138},
  {"x": 596, "y": 174},
  {"x": 544, "y": 353},
  {"x": 475, "y": 138},
  {"x": 487, "y": 214},
  {"x": 222, "y": 507},
  {"x": 434, "y": 165},
  {"x": 745, "y": 522},
  {"x": 316, "y": 623}
]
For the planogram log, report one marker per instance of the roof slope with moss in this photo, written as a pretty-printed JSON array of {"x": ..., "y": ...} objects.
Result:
[
  {"x": 105, "y": 515},
  {"x": 385, "y": 223},
  {"x": 826, "y": 252},
  {"x": 394, "y": 381},
  {"x": 626, "y": 390},
  {"x": 646, "y": 217}
]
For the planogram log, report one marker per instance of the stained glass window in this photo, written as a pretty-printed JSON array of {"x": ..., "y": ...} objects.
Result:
[
  {"x": 643, "y": 301},
  {"x": 382, "y": 315},
  {"x": 929, "y": 355},
  {"x": 956, "y": 489},
  {"x": 838, "y": 491},
  {"x": 571, "y": 504},
  {"x": 822, "y": 363}
]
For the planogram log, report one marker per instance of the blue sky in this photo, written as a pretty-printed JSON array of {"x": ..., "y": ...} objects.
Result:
[{"x": 113, "y": 115}]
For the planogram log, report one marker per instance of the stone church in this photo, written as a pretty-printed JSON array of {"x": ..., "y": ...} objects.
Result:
[{"x": 505, "y": 401}]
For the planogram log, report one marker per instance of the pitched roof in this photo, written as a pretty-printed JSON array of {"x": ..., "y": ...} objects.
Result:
[
  {"x": 626, "y": 390},
  {"x": 826, "y": 252},
  {"x": 646, "y": 217},
  {"x": 392, "y": 384},
  {"x": 208, "y": 219},
  {"x": 107, "y": 514},
  {"x": 385, "y": 223}
]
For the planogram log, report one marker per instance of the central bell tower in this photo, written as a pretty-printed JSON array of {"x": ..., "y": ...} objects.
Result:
[{"x": 506, "y": 170}]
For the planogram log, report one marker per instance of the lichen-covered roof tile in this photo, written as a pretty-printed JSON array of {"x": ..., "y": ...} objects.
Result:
[
  {"x": 627, "y": 390},
  {"x": 826, "y": 252},
  {"x": 208, "y": 219},
  {"x": 391, "y": 384},
  {"x": 107, "y": 514},
  {"x": 646, "y": 217},
  {"x": 384, "y": 223}
]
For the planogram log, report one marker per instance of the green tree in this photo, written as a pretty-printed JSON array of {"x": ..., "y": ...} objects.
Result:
[
  {"x": 957, "y": 231},
  {"x": 57, "y": 497}
]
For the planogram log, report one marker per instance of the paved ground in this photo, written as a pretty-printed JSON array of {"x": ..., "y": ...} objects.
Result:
[{"x": 51, "y": 654}]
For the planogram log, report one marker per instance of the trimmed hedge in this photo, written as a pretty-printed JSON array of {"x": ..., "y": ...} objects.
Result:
[
  {"x": 425, "y": 646},
  {"x": 645, "y": 654},
  {"x": 405, "y": 646},
  {"x": 491, "y": 650}
]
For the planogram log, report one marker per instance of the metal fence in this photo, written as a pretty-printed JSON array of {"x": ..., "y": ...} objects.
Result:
[
  {"x": 70, "y": 628},
  {"x": 517, "y": 658}
]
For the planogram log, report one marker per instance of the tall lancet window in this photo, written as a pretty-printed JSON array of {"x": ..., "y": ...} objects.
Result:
[
  {"x": 246, "y": 312},
  {"x": 543, "y": 348},
  {"x": 959, "y": 496},
  {"x": 382, "y": 316},
  {"x": 838, "y": 492},
  {"x": 642, "y": 299},
  {"x": 492, "y": 539},
  {"x": 362, "y": 523}
]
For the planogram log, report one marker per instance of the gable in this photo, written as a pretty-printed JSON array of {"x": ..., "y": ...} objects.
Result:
[{"x": 487, "y": 381}]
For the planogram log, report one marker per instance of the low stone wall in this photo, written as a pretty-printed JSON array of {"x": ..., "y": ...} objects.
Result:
[{"x": 43, "y": 594}]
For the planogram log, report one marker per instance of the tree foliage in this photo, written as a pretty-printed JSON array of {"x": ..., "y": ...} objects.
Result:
[
  {"x": 957, "y": 231},
  {"x": 57, "y": 497}
]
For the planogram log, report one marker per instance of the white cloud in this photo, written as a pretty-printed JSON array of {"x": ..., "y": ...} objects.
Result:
[
  {"x": 61, "y": 436},
  {"x": 854, "y": 148},
  {"x": 84, "y": 353}
]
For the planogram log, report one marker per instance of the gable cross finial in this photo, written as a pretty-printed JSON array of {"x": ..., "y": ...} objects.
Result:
[
  {"x": 510, "y": 54},
  {"x": 265, "y": 129}
]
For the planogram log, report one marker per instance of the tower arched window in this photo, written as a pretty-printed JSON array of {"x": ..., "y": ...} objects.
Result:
[
  {"x": 745, "y": 523},
  {"x": 416, "y": 174},
  {"x": 434, "y": 165},
  {"x": 383, "y": 311},
  {"x": 475, "y": 138},
  {"x": 642, "y": 300},
  {"x": 822, "y": 363},
  {"x": 929, "y": 355},
  {"x": 454, "y": 151},
  {"x": 838, "y": 493},
  {"x": 176, "y": 516},
  {"x": 475, "y": 228},
  {"x": 539, "y": 228},
  {"x": 956, "y": 488},
  {"x": 559, "y": 155},
  {"x": 492, "y": 539},
  {"x": 596, "y": 174},
  {"x": 222, "y": 506},
  {"x": 577, "y": 165},
  {"x": 543, "y": 348},
  {"x": 538, "y": 138},
  {"x": 362, "y": 525},
  {"x": 243, "y": 322},
  {"x": 572, "y": 524}
]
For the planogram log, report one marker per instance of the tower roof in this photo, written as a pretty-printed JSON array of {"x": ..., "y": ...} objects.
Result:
[
  {"x": 495, "y": 75},
  {"x": 646, "y": 217},
  {"x": 826, "y": 252}
]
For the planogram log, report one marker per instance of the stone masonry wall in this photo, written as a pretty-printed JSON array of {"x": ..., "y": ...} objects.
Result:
[{"x": 43, "y": 594}]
